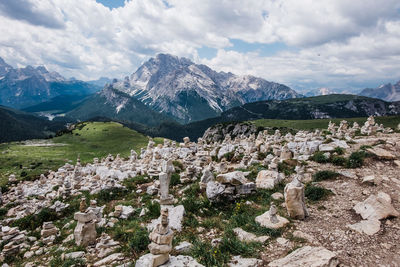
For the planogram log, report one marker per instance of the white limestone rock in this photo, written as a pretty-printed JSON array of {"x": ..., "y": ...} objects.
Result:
[
  {"x": 308, "y": 256},
  {"x": 238, "y": 261}
]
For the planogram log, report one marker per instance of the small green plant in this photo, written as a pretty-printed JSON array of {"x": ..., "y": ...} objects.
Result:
[
  {"x": 154, "y": 209},
  {"x": 319, "y": 157},
  {"x": 339, "y": 150},
  {"x": 286, "y": 167},
  {"x": 356, "y": 159},
  {"x": 316, "y": 193},
  {"x": 175, "y": 179},
  {"x": 325, "y": 175},
  {"x": 338, "y": 160}
]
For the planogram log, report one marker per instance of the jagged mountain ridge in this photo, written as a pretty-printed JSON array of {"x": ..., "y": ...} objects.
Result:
[
  {"x": 388, "y": 92},
  {"x": 189, "y": 92},
  {"x": 24, "y": 87}
]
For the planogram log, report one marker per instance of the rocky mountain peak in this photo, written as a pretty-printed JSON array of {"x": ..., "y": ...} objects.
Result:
[{"x": 188, "y": 91}]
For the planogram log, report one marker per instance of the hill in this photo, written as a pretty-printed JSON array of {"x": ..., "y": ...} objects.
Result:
[
  {"x": 17, "y": 125},
  {"x": 89, "y": 140}
]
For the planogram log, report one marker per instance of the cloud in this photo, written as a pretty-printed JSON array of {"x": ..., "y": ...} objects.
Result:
[
  {"x": 41, "y": 13},
  {"x": 338, "y": 43}
]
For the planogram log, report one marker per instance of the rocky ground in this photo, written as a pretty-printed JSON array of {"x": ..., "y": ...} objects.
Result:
[{"x": 324, "y": 198}]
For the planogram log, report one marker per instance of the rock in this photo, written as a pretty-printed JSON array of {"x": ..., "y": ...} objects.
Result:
[
  {"x": 214, "y": 189},
  {"x": 249, "y": 237},
  {"x": 150, "y": 260},
  {"x": 29, "y": 254},
  {"x": 370, "y": 179},
  {"x": 294, "y": 200},
  {"x": 238, "y": 261},
  {"x": 376, "y": 207},
  {"x": 84, "y": 217},
  {"x": 282, "y": 241},
  {"x": 108, "y": 261},
  {"x": 182, "y": 261},
  {"x": 307, "y": 257},
  {"x": 303, "y": 235},
  {"x": 327, "y": 147},
  {"x": 127, "y": 211},
  {"x": 267, "y": 179},
  {"x": 277, "y": 196},
  {"x": 175, "y": 217},
  {"x": 381, "y": 153},
  {"x": 369, "y": 227},
  {"x": 265, "y": 221},
  {"x": 233, "y": 178},
  {"x": 75, "y": 255},
  {"x": 184, "y": 247}
]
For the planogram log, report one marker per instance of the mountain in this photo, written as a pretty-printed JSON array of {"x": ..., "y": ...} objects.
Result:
[
  {"x": 388, "y": 92},
  {"x": 17, "y": 125},
  {"x": 102, "y": 81},
  {"x": 116, "y": 105},
  {"x": 320, "y": 91},
  {"x": 319, "y": 107},
  {"x": 190, "y": 92},
  {"x": 24, "y": 87}
]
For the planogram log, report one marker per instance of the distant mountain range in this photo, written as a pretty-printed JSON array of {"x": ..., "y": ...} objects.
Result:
[
  {"x": 388, "y": 92},
  {"x": 24, "y": 87},
  {"x": 188, "y": 92}
]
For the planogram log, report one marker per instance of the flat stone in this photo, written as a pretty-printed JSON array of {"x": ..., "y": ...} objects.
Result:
[
  {"x": 307, "y": 256},
  {"x": 249, "y": 237},
  {"x": 109, "y": 260},
  {"x": 75, "y": 255},
  {"x": 175, "y": 216},
  {"x": 150, "y": 260},
  {"x": 238, "y": 261},
  {"x": 264, "y": 220},
  {"x": 182, "y": 261},
  {"x": 381, "y": 153},
  {"x": 84, "y": 217},
  {"x": 369, "y": 227}
]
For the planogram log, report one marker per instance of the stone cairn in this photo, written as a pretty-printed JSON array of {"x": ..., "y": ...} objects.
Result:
[
  {"x": 294, "y": 197},
  {"x": 85, "y": 231},
  {"x": 165, "y": 179},
  {"x": 161, "y": 244}
]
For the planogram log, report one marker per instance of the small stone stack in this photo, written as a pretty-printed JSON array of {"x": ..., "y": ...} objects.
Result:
[
  {"x": 14, "y": 241},
  {"x": 161, "y": 244},
  {"x": 85, "y": 231},
  {"x": 49, "y": 233}
]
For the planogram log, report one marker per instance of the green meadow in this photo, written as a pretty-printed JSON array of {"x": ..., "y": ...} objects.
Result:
[{"x": 29, "y": 159}]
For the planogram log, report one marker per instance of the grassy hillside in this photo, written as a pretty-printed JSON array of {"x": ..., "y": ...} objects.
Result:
[
  {"x": 89, "y": 140},
  {"x": 389, "y": 121},
  {"x": 16, "y": 125}
]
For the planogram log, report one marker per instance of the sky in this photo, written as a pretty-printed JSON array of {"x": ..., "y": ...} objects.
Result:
[{"x": 304, "y": 44}]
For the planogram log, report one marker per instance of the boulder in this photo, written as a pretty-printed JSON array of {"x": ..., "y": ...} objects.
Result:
[
  {"x": 233, "y": 178},
  {"x": 267, "y": 179},
  {"x": 214, "y": 189},
  {"x": 265, "y": 221},
  {"x": 376, "y": 207},
  {"x": 175, "y": 217},
  {"x": 308, "y": 257},
  {"x": 381, "y": 153},
  {"x": 369, "y": 227},
  {"x": 182, "y": 261}
]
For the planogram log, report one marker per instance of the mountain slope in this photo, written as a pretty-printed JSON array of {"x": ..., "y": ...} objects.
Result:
[
  {"x": 16, "y": 125},
  {"x": 388, "y": 92},
  {"x": 189, "y": 92},
  {"x": 24, "y": 87},
  {"x": 116, "y": 105}
]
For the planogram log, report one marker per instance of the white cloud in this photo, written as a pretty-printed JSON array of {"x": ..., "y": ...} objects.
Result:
[{"x": 337, "y": 42}]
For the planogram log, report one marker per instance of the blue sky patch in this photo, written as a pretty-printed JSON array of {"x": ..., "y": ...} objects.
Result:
[{"x": 111, "y": 3}]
